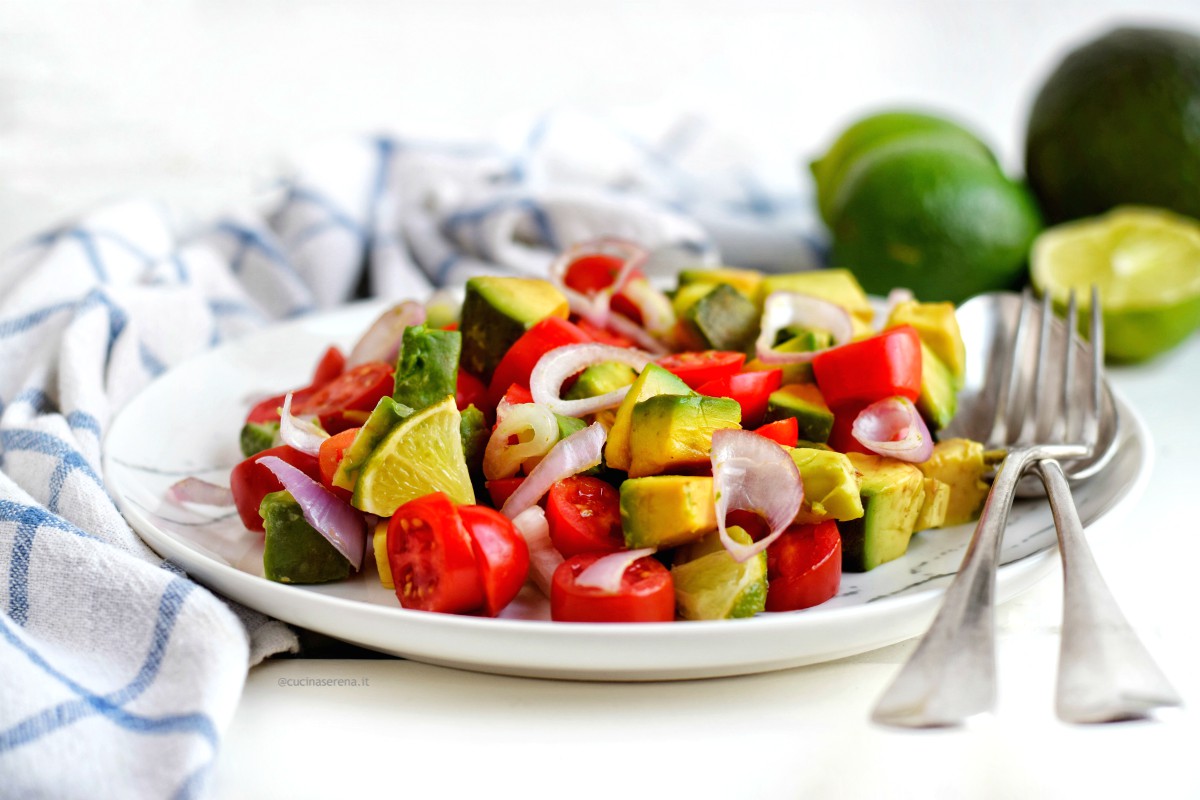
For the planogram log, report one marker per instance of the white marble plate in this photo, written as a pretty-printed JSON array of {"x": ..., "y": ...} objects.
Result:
[{"x": 187, "y": 423}]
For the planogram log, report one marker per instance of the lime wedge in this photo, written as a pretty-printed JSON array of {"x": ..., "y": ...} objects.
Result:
[
  {"x": 422, "y": 454},
  {"x": 1146, "y": 263},
  {"x": 709, "y": 584}
]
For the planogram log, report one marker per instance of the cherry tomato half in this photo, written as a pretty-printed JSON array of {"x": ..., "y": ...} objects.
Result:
[
  {"x": 356, "y": 390},
  {"x": 604, "y": 336},
  {"x": 501, "y": 554},
  {"x": 330, "y": 366},
  {"x": 785, "y": 431},
  {"x": 647, "y": 593},
  {"x": 597, "y": 271},
  {"x": 584, "y": 514},
  {"x": 469, "y": 391},
  {"x": 250, "y": 481},
  {"x": 330, "y": 455},
  {"x": 867, "y": 370},
  {"x": 502, "y": 488},
  {"x": 699, "y": 367},
  {"x": 750, "y": 389},
  {"x": 804, "y": 566},
  {"x": 432, "y": 558},
  {"x": 518, "y": 363}
]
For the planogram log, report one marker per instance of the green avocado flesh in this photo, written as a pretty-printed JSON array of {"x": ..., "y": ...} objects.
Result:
[
  {"x": 294, "y": 551},
  {"x": 428, "y": 367}
]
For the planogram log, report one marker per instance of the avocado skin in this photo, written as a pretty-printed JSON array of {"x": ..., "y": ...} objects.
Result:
[
  {"x": 496, "y": 311},
  {"x": 294, "y": 551},
  {"x": 427, "y": 370},
  {"x": 1116, "y": 123},
  {"x": 892, "y": 495},
  {"x": 723, "y": 319},
  {"x": 802, "y": 401}
]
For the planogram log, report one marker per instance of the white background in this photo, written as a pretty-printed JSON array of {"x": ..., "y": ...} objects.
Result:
[{"x": 192, "y": 102}]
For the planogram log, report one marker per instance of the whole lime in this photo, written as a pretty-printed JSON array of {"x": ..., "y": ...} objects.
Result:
[
  {"x": 935, "y": 219},
  {"x": 877, "y": 129},
  {"x": 1118, "y": 122}
]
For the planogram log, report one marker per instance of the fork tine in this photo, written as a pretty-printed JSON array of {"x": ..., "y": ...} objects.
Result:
[
  {"x": 1007, "y": 396},
  {"x": 1066, "y": 418},
  {"x": 1091, "y": 428},
  {"x": 1036, "y": 420}
]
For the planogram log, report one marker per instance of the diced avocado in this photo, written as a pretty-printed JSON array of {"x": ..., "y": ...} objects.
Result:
[
  {"x": 938, "y": 400},
  {"x": 723, "y": 319},
  {"x": 687, "y": 296},
  {"x": 474, "y": 431},
  {"x": 709, "y": 584},
  {"x": 892, "y": 494},
  {"x": 601, "y": 379},
  {"x": 258, "y": 436},
  {"x": 669, "y": 432},
  {"x": 937, "y": 326},
  {"x": 804, "y": 402},
  {"x": 427, "y": 370},
  {"x": 802, "y": 342},
  {"x": 496, "y": 311},
  {"x": 294, "y": 552},
  {"x": 386, "y": 415},
  {"x": 568, "y": 425},
  {"x": 379, "y": 548},
  {"x": 666, "y": 510},
  {"x": 933, "y": 508},
  {"x": 835, "y": 285},
  {"x": 961, "y": 464},
  {"x": 745, "y": 281},
  {"x": 654, "y": 380},
  {"x": 830, "y": 485}
]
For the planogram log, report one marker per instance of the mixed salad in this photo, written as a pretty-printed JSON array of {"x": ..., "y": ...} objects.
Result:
[{"x": 723, "y": 449}]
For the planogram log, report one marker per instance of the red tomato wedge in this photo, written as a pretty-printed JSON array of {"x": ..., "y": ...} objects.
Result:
[
  {"x": 604, "y": 336},
  {"x": 330, "y": 455},
  {"x": 592, "y": 273},
  {"x": 841, "y": 437},
  {"x": 750, "y": 389},
  {"x": 356, "y": 390},
  {"x": 432, "y": 558},
  {"x": 699, "y": 367},
  {"x": 469, "y": 390},
  {"x": 785, "y": 431},
  {"x": 518, "y": 363},
  {"x": 501, "y": 489},
  {"x": 867, "y": 370},
  {"x": 804, "y": 566},
  {"x": 250, "y": 481},
  {"x": 330, "y": 366},
  {"x": 501, "y": 554},
  {"x": 584, "y": 514},
  {"x": 646, "y": 594}
]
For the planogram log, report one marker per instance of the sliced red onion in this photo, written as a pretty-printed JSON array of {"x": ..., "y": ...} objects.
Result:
[
  {"x": 543, "y": 558},
  {"x": 329, "y": 515},
  {"x": 199, "y": 491},
  {"x": 545, "y": 383},
  {"x": 298, "y": 433},
  {"x": 752, "y": 473},
  {"x": 893, "y": 427},
  {"x": 501, "y": 459},
  {"x": 596, "y": 307},
  {"x": 606, "y": 573},
  {"x": 788, "y": 309},
  {"x": 382, "y": 340},
  {"x": 619, "y": 323},
  {"x": 658, "y": 316},
  {"x": 571, "y": 456}
]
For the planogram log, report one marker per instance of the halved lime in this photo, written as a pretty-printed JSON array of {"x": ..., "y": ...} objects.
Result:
[
  {"x": 709, "y": 584},
  {"x": 1146, "y": 263},
  {"x": 422, "y": 454}
]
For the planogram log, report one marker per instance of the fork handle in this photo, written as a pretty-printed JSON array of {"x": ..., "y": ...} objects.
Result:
[
  {"x": 952, "y": 673},
  {"x": 1105, "y": 673}
]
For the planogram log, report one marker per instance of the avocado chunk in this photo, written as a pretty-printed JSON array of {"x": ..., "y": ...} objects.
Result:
[
  {"x": 671, "y": 432},
  {"x": 379, "y": 548},
  {"x": 804, "y": 402},
  {"x": 745, "y": 281},
  {"x": 893, "y": 492},
  {"x": 961, "y": 464},
  {"x": 496, "y": 311},
  {"x": 666, "y": 510},
  {"x": 830, "y": 483},
  {"x": 709, "y": 584},
  {"x": 933, "y": 508},
  {"x": 427, "y": 370},
  {"x": 937, "y": 326},
  {"x": 938, "y": 400},
  {"x": 386, "y": 415},
  {"x": 723, "y": 319},
  {"x": 797, "y": 342},
  {"x": 258, "y": 436},
  {"x": 601, "y": 379},
  {"x": 294, "y": 551},
  {"x": 653, "y": 381},
  {"x": 835, "y": 285},
  {"x": 473, "y": 430}
]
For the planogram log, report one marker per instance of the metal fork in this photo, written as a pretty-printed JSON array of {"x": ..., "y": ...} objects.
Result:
[{"x": 1105, "y": 673}]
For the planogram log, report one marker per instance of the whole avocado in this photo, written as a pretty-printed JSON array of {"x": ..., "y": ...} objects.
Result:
[{"x": 1118, "y": 122}]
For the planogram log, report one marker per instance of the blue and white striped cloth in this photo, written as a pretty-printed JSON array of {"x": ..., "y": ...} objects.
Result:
[{"x": 117, "y": 673}]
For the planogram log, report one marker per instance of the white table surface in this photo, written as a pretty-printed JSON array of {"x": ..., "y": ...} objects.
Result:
[{"x": 190, "y": 101}]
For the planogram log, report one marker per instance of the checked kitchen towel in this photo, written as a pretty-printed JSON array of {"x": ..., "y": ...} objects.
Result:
[{"x": 118, "y": 673}]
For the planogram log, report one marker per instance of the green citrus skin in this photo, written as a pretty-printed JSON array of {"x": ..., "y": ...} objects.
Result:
[
  {"x": 935, "y": 219},
  {"x": 1118, "y": 122}
]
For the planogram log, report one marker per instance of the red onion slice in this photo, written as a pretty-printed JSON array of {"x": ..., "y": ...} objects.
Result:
[
  {"x": 579, "y": 451},
  {"x": 893, "y": 427},
  {"x": 752, "y": 473},
  {"x": 298, "y": 433},
  {"x": 382, "y": 340},
  {"x": 543, "y": 558},
  {"x": 501, "y": 459},
  {"x": 658, "y": 316},
  {"x": 329, "y": 515},
  {"x": 619, "y": 323},
  {"x": 606, "y": 573},
  {"x": 199, "y": 491},
  {"x": 545, "y": 383},
  {"x": 787, "y": 309}
]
